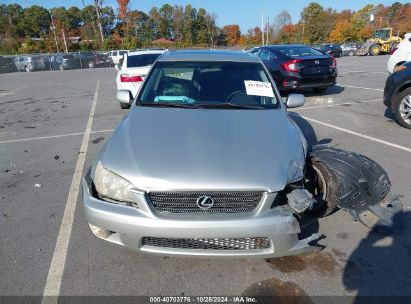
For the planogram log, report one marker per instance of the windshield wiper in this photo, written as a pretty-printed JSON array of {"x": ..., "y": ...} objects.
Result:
[{"x": 229, "y": 105}]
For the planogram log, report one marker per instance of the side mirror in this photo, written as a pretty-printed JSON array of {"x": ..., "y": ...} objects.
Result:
[
  {"x": 123, "y": 97},
  {"x": 295, "y": 101}
]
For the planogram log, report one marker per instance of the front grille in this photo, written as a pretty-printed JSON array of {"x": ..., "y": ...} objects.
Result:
[
  {"x": 186, "y": 202},
  {"x": 209, "y": 244}
]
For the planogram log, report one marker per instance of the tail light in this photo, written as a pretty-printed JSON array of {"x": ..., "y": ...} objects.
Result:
[
  {"x": 130, "y": 78},
  {"x": 291, "y": 66},
  {"x": 334, "y": 64},
  {"x": 393, "y": 50}
]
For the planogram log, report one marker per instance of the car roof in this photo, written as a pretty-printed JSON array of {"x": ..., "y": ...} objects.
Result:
[
  {"x": 277, "y": 46},
  {"x": 208, "y": 55},
  {"x": 142, "y": 52}
]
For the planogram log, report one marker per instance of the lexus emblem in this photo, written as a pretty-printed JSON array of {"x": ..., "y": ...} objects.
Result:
[
  {"x": 317, "y": 62},
  {"x": 205, "y": 202}
]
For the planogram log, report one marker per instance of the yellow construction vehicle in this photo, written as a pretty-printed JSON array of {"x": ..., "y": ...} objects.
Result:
[{"x": 382, "y": 43}]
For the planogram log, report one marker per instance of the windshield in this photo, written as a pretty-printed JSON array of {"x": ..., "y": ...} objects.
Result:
[
  {"x": 208, "y": 85},
  {"x": 300, "y": 51},
  {"x": 135, "y": 61},
  {"x": 382, "y": 34}
]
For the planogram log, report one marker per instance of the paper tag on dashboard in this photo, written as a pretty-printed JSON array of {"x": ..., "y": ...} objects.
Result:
[{"x": 259, "y": 88}]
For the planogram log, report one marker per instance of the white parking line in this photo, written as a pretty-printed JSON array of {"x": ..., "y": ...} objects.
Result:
[
  {"x": 52, "y": 136},
  {"x": 338, "y": 104},
  {"x": 358, "y": 134},
  {"x": 14, "y": 91},
  {"x": 58, "y": 261},
  {"x": 362, "y": 88}
]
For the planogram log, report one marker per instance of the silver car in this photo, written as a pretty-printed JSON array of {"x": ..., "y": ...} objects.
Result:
[{"x": 209, "y": 163}]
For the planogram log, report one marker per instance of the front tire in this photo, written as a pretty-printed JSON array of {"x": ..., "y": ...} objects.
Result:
[
  {"x": 324, "y": 187},
  {"x": 375, "y": 50},
  {"x": 402, "y": 108},
  {"x": 124, "y": 106}
]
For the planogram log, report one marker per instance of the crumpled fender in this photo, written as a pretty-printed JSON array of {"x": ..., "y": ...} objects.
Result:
[{"x": 364, "y": 186}]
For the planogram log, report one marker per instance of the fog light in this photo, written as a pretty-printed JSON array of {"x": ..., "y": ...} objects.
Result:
[{"x": 100, "y": 232}]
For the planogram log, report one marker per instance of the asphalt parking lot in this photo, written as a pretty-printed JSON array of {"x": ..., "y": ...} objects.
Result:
[{"x": 52, "y": 122}]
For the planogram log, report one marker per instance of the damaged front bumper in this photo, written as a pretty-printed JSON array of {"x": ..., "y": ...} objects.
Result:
[{"x": 269, "y": 233}]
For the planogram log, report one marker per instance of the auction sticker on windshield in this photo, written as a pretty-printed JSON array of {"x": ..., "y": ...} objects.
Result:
[{"x": 259, "y": 88}]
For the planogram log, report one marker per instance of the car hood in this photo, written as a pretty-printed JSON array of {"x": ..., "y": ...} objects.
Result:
[{"x": 205, "y": 149}]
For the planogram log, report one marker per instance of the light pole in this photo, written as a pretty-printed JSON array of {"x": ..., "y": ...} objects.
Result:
[{"x": 54, "y": 31}]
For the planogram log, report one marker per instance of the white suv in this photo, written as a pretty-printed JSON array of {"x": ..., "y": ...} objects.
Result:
[
  {"x": 400, "y": 55},
  {"x": 133, "y": 70},
  {"x": 116, "y": 56}
]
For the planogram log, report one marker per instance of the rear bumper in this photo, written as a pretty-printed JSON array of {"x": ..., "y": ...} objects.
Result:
[
  {"x": 292, "y": 80},
  {"x": 307, "y": 84},
  {"x": 127, "y": 226}
]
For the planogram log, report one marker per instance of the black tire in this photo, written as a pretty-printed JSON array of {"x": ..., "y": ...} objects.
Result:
[
  {"x": 374, "y": 50},
  {"x": 397, "y": 105},
  {"x": 319, "y": 90},
  {"x": 124, "y": 106},
  {"x": 324, "y": 187}
]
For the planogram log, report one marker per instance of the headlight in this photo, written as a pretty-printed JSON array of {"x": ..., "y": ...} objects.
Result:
[{"x": 112, "y": 186}]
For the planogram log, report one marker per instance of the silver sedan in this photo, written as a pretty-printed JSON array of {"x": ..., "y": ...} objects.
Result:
[{"x": 209, "y": 163}]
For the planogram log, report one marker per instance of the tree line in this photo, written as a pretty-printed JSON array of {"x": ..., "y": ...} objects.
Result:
[{"x": 37, "y": 29}]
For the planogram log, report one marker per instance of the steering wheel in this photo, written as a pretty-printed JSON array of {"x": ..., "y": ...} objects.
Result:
[{"x": 232, "y": 94}]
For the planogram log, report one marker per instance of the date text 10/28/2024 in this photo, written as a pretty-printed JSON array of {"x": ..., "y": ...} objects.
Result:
[{"x": 205, "y": 299}]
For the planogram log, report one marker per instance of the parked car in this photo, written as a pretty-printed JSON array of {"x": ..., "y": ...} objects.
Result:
[
  {"x": 134, "y": 68},
  {"x": 102, "y": 60},
  {"x": 397, "y": 94},
  {"x": 116, "y": 56},
  {"x": 334, "y": 50},
  {"x": 299, "y": 66},
  {"x": 349, "y": 49},
  {"x": 400, "y": 54},
  {"x": 209, "y": 163},
  {"x": 32, "y": 63},
  {"x": 7, "y": 65},
  {"x": 64, "y": 62}
]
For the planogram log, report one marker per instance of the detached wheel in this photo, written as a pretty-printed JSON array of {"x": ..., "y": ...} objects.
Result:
[
  {"x": 319, "y": 90},
  {"x": 324, "y": 187},
  {"x": 402, "y": 108},
  {"x": 375, "y": 50}
]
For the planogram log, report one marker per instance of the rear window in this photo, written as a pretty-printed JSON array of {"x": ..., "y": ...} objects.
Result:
[
  {"x": 300, "y": 51},
  {"x": 135, "y": 61}
]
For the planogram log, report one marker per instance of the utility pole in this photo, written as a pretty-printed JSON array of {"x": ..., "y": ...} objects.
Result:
[
  {"x": 96, "y": 5},
  {"x": 262, "y": 27},
  {"x": 64, "y": 39},
  {"x": 54, "y": 31},
  {"x": 268, "y": 28}
]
